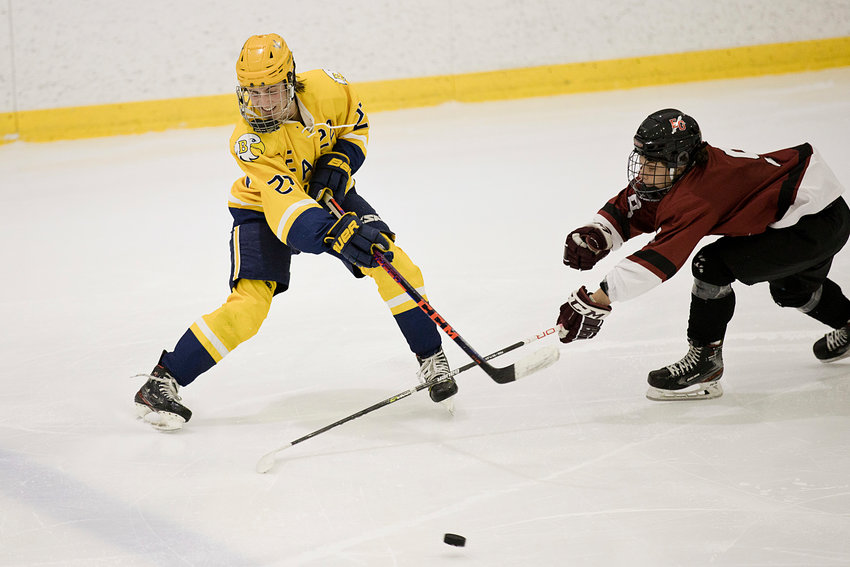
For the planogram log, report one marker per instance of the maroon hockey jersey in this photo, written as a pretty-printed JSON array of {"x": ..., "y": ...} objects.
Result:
[{"x": 734, "y": 194}]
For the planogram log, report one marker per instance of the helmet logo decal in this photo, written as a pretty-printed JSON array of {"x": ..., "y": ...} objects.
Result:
[
  {"x": 678, "y": 124},
  {"x": 336, "y": 76},
  {"x": 248, "y": 147}
]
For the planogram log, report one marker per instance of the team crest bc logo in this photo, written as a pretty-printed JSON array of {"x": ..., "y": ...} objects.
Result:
[
  {"x": 677, "y": 124},
  {"x": 249, "y": 147}
]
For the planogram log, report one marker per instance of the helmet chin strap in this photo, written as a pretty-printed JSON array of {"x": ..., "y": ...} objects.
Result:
[{"x": 290, "y": 111}]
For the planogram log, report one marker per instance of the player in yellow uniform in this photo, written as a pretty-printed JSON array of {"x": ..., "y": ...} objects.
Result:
[{"x": 301, "y": 139}]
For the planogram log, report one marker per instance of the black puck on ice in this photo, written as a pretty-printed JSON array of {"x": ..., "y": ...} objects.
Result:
[{"x": 454, "y": 539}]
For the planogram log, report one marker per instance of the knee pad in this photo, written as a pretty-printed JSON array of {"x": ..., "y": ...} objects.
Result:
[
  {"x": 814, "y": 301},
  {"x": 238, "y": 319},
  {"x": 791, "y": 294},
  {"x": 708, "y": 267},
  {"x": 704, "y": 290},
  {"x": 393, "y": 295}
]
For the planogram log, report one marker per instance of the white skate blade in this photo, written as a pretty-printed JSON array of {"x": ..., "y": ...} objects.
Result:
[
  {"x": 142, "y": 410},
  {"x": 538, "y": 360},
  {"x": 449, "y": 404},
  {"x": 164, "y": 421},
  {"x": 706, "y": 391}
]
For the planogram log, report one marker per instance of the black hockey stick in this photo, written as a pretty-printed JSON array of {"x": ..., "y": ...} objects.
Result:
[
  {"x": 266, "y": 462},
  {"x": 533, "y": 362}
]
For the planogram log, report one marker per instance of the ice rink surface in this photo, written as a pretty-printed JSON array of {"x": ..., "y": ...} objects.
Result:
[{"x": 112, "y": 247}]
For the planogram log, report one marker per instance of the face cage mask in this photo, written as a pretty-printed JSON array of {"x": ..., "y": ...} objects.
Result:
[
  {"x": 266, "y": 107},
  {"x": 651, "y": 188}
]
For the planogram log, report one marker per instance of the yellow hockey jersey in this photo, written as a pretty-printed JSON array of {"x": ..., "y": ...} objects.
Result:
[{"x": 278, "y": 165}]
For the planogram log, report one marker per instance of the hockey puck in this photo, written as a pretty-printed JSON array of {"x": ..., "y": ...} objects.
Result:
[{"x": 455, "y": 540}]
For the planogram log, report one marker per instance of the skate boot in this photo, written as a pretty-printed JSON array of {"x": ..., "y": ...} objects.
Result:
[
  {"x": 834, "y": 345},
  {"x": 434, "y": 370},
  {"x": 695, "y": 377},
  {"x": 157, "y": 401}
]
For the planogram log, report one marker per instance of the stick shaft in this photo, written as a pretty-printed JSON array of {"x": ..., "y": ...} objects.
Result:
[{"x": 406, "y": 393}]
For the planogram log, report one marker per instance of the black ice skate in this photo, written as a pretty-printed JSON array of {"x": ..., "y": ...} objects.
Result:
[
  {"x": 434, "y": 370},
  {"x": 695, "y": 377},
  {"x": 157, "y": 401},
  {"x": 834, "y": 345}
]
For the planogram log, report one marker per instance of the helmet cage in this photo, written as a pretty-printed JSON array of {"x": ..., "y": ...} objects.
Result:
[
  {"x": 652, "y": 178},
  {"x": 266, "y": 107}
]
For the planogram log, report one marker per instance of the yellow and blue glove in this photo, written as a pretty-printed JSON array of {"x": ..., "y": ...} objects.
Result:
[
  {"x": 357, "y": 242},
  {"x": 331, "y": 173}
]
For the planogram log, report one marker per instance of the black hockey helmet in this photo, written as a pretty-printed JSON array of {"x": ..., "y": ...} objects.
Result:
[{"x": 669, "y": 137}]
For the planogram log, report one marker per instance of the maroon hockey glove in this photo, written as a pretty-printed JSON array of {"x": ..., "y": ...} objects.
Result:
[
  {"x": 357, "y": 242},
  {"x": 587, "y": 245},
  {"x": 581, "y": 317},
  {"x": 330, "y": 175}
]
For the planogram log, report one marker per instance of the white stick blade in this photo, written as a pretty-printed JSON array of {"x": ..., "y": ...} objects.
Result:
[
  {"x": 265, "y": 463},
  {"x": 538, "y": 360}
]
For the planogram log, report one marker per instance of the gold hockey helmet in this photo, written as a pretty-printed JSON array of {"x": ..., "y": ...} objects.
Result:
[
  {"x": 265, "y": 60},
  {"x": 266, "y": 73}
]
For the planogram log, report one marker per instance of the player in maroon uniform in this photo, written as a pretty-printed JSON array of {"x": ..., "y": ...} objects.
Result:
[{"x": 782, "y": 220}]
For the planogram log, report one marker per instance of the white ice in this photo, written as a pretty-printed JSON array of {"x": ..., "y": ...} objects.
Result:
[{"x": 112, "y": 247}]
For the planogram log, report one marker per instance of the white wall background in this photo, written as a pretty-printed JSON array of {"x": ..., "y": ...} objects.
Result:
[{"x": 55, "y": 53}]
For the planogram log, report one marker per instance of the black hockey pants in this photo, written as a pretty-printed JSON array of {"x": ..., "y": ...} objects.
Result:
[{"x": 794, "y": 261}]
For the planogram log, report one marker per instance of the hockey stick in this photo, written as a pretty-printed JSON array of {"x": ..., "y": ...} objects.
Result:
[
  {"x": 531, "y": 363},
  {"x": 266, "y": 462}
]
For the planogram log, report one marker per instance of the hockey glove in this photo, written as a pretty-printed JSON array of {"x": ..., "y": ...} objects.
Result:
[
  {"x": 581, "y": 317},
  {"x": 357, "y": 242},
  {"x": 587, "y": 245},
  {"x": 330, "y": 176}
]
